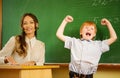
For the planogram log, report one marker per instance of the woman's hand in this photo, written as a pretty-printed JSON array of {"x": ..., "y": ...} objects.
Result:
[
  {"x": 29, "y": 63},
  {"x": 10, "y": 59}
]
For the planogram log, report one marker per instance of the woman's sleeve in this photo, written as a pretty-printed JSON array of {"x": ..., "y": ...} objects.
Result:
[
  {"x": 7, "y": 49},
  {"x": 41, "y": 60}
]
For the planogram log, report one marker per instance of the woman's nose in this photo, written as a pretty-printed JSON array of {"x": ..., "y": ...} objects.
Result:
[{"x": 28, "y": 25}]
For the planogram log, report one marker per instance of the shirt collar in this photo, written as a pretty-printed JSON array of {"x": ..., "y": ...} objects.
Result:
[
  {"x": 86, "y": 40},
  {"x": 32, "y": 40}
]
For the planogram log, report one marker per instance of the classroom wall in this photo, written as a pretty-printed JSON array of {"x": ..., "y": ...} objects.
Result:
[
  {"x": 103, "y": 72},
  {"x": 62, "y": 72},
  {"x": 0, "y": 21}
]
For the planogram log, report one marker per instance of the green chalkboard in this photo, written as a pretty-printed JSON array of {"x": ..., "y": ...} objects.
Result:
[{"x": 51, "y": 13}]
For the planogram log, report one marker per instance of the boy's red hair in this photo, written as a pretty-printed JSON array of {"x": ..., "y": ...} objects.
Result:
[{"x": 88, "y": 23}]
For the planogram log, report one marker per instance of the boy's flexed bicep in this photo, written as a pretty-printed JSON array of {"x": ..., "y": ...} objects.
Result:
[
  {"x": 112, "y": 32},
  {"x": 60, "y": 31}
]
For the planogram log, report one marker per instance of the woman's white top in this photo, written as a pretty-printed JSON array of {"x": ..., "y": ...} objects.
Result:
[{"x": 35, "y": 52}]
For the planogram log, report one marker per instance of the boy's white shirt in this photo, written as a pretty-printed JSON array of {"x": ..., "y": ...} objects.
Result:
[{"x": 85, "y": 55}]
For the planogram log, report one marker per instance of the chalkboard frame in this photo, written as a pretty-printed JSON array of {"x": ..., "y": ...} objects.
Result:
[{"x": 62, "y": 55}]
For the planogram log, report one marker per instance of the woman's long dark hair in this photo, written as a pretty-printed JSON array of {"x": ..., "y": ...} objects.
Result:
[{"x": 21, "y": 45}]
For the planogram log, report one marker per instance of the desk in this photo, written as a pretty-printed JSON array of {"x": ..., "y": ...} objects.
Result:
[{"x": 10, "y": 71}]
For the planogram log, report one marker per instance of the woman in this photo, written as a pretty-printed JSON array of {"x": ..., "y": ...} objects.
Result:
[{"x": 24, "y": 49}]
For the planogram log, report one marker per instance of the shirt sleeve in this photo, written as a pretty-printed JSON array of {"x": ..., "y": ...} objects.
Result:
[
  {"x": 68, "y": 42},
  {"x": 7, "y": 49},
  {"x": 104, "y": 46}
]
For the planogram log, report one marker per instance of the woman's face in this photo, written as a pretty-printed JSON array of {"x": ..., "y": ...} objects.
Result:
[{"x": 28, "y": 25}]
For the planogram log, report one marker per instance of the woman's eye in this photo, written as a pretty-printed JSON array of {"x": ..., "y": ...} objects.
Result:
[
  {"x": 31, "y": 22},
  {"x": 24, "y": 23}
]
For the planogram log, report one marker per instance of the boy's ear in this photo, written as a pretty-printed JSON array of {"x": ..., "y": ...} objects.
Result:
[
  {"x": 80, "y": 33},
  {"x": 94, "y": 35}
]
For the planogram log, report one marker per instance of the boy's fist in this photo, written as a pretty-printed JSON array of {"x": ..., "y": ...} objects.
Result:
[
  {"x": 68, "y": 18},
  {"x": 104, "y": 21}
]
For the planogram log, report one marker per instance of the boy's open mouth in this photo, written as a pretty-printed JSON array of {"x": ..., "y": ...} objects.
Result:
[{"x": 88, "y": 34}]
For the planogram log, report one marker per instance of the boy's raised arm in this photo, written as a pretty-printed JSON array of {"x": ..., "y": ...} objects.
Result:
[
  {"x": 60, "y": 31},
  {"x": 112, "y": 32}
]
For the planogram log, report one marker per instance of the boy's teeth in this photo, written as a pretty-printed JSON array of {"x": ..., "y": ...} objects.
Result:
[{"x": 88, "y": 34}]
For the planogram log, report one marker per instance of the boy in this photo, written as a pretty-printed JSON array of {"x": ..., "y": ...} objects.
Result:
[{"x": 85, "y": 53}]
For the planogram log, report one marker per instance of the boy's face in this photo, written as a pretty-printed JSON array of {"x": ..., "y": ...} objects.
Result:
[{"x": 88, "y": 32}]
